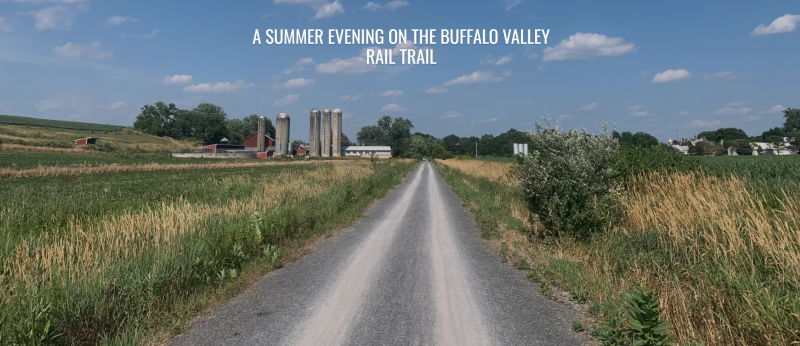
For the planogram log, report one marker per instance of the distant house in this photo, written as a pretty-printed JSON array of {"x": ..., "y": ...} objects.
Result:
[
  {"x": 682, "y": 148},
  {"x": 87, "y": 140},
  {"x": 301, "y": 151},
  {"x": 769, "y": 148},
  {"x": 382, "y": 152}
]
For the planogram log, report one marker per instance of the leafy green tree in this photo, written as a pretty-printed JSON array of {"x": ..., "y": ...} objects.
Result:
[
  {"x": 638, "y": 139},
  {"x": 773, "y": 134},
  {"x": 727, "y": 133},
  {"x": 252, "y": 125},
  {"x": 792, "y": 122},
  {"x": 345, "y": 140},
  {"x": 238, "y": 130},
  {"x": 450, "y": 143},
  {"x": 370, "y": 135},
  {"x": 298, "y": 143},
  {"x": 209, "y": 123},
  {"x": 157, "y": 119}
]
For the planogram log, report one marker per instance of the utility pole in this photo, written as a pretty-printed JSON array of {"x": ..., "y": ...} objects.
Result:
[{"x": 476, "y": 150}]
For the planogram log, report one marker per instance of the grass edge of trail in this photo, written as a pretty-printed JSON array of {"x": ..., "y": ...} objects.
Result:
[{"x": 200, "y": 305}]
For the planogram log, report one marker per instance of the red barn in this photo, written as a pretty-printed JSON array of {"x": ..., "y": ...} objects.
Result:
[
  {"x": 300, "y": 151},
  {"x": 251, "y": 143},
  {"x": 87, "y": 140}
]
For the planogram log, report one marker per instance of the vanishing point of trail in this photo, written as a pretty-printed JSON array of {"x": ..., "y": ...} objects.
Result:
[{"x": 415, "y": 272}]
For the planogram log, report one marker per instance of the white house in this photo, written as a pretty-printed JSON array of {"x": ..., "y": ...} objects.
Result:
[
  {"x": 682, "y": 148},
  {"x": 767, "y": 148},
  {"x": 382, "y": 152}
]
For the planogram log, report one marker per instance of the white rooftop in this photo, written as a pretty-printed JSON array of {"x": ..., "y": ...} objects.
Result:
[{"x": 367, "y": 148}]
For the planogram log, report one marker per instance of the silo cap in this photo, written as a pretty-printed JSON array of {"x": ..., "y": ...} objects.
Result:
[
  {"x": 283, "y": 115},
  {"x": 327, "y": 110},
  {"x": 315, "y": 110},
  {"x": 337, "y": 110},
  {"x": 262, "y": 117}
]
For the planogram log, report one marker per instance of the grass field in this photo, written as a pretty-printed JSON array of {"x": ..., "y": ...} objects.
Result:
[
  {"x": 723, "y": 258},
  {"x": 128, "y": 257},
  {"x": 68, "y": 125},
  {"x": 111, "y": 139}
]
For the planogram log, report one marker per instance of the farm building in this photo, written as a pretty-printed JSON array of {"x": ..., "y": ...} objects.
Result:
[
  {"x": 383, "y": 152},
  {"x": 301, "y": 151},
  {"x": 251, "y": 143},
  {"x": 87, "y": 140},
  {"x": 219, "y": 148},
  {"x": 766, "y": 148}
]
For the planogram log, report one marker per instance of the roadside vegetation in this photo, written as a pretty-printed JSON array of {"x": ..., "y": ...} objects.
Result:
[
  {"x": 684, "y": 249},
  {"x": 130, "y": 257}
]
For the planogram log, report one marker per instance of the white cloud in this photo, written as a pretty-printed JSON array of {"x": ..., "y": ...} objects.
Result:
[
  {"x": 509, "y": 4},
  {"x": 116, "y": 105},
  {"x": 353, "y": 65},
  {"x": 371, "y": 6},
  {"x": 565, "y": 117},
  {"x": 393, "y": 5},
  {"x": 703, "y": 123},
  {"x": 671, "y": 76},
  {"x": 588, "y": 107},
  {"x": 299, "y": 65},
  {"x": 178, "y": 79},
  {"x": 733, "y": 109},
  {"x": 478, "y": 77},
  {"x": 329, "y": 10},
  {"x": 683, "y": 113},
  {"x": 754, "y": 118},
  {"x": 587, "y": 46},
  {"x": 220, "y": 87},
  {"x": 635, "y": 108},
  {"x": 393, "y": 107},
  {"x": 91, "y": 50},
  {"x": 783, "y": 24},
  {"x": 776, "y": 109},
  {"x": 533, "y": 56},
  {"x": 390, "y": 93},
  {"x": 117, "y": 20},
  {"x": 286, "y": 100},
  {"x": 436, "y": 90},
  {"x": 352, "y": 97},
  {"x": 450, "y": 115},
  {"x": 57, "y": 17},
  {"x": 499, "y": 61},
  {"x": 721, "y": 75},
  {"x": 5, "y": 26},
  {"x": 638, "y": 113},
  {"x": 297, "y": 83},
  {"x": 144, "y": 36},
  {"x": 490, "y": 120}
]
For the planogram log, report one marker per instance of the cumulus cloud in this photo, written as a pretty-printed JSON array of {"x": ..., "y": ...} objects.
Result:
[
  {"x": 436, "y": 90},
  {"x": 144, "y": 36},
  {"x": 478, "y": 77},
  {"x": 565, "y": 117},
  {"x": 509, "y": 4},
  {"x": 499, "y": 61},
  {"x": 490, "y": 120},
  {"x": 371, "y": 6},
  {"x": 286, "y": 100},
  {"x": 776, "y": 109},
  {"x": 118, "y": 20},
  {"x": 733, "y": 108},
  {"x": 393, "y": 107},
  {"x": 671, "y": 76},
  {"x": 390, "y": 93},
  {"x": 357, "y": 64},
  {"x": 637, "y": 111},
  {"x": 323, "y": 8},
  {"x": 703, "y": 123},
  {"x": 783, "y": 24},
  {"x": 116, "y": 105},
  {"x": 352, "y": 97},
  {"x": 393, "y": 5},
  {"x": 683, "y": 113},
  {"x": 91, "y": 50},
  {"x": 721, "y": 75},
  {"x": 583, "y": 46},
  {"x": 450, "y": 115},
  {"x": 57, "y": 17},
  {"x": 5, "y": 26},
  {"x": 219, "y": 87},
  {"x": 297, "y": 83},
  {"x": 178, "y": 79},
  {"x": 588, "y": 107},
  {"x": 299, "y": 65}
]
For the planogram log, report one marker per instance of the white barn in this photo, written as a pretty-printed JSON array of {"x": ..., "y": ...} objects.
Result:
[{"x": 382, "y": 152}]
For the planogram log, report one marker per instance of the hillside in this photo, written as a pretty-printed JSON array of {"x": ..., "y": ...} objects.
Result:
[{"x": 33, "y": 132}]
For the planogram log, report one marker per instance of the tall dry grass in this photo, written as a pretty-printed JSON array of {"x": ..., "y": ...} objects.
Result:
[
  {"x": 85, "y": 248},
  {"x": 494, "y": 171}
]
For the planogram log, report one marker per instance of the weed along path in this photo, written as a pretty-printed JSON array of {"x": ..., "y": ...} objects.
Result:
[{"x": 414, "y": 272}]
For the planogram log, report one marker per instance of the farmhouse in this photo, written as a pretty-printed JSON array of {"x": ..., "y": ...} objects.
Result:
[
  {"x": 770, "y": 148},
  {"x": 383, "y": 152},
  {"x": 301, "y": 151},
  {"x": 87, "y": 140}
]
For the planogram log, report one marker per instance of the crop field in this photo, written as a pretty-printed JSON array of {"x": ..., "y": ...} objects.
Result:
[
  {"x": 128, "y": 257},
  {"x": 112, "y": 139},
  {"x": 68, "y": 125},
  {"x": 722, "y": 255}
]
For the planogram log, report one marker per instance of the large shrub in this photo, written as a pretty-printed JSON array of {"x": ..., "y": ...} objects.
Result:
[{"x": 568, "y": 180}]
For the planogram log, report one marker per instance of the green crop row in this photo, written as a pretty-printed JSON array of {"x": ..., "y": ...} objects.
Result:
[{"x": 70, "y": 125}]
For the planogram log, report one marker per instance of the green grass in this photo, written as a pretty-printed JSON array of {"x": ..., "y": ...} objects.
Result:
[
  {"x": 767, "y": 174},
  {"x": 32, "y": 159},
  {"x": 135, "y": 300},
  {"x": 61, "y": 124},
  {"x": 118, "y": 138}
]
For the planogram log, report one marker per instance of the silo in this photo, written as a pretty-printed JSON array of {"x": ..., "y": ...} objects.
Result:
[
  {"x": 313, "y": 141},
  {"x": 336, "y": 129},
  {"x": 326, "y": 133},
  {"x": 262, "y": 128},
  {"x": 282, "y": 131}
]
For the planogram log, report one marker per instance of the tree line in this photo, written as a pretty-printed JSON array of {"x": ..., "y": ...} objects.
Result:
[{"x": 207, "y": 123}]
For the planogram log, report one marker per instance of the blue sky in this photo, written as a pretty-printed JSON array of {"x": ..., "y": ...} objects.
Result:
[{"x": 664, "y": 67}]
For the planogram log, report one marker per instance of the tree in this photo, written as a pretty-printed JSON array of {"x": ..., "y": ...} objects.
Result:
[
  {"x": 370, "y": 135},
  {"x": 209, "y": 123},
  {"x": 450, "y": 143},
  {"x": 252, "y": 125},
  {"x": 640, "y": 139},
  {"x": 156, "y": 119},
  {"x": 238, "y": 130},
  {"x": 391, "y": 132},
  {"x": 727, "y": 133},
  {"x": 345, "y": 140},
  {"x": 298, "y": 143},
  {"x": 774, "y": 134},
  {"x": 792, "y": 122}
]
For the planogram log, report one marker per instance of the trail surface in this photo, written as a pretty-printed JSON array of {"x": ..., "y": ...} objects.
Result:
[{"x": 416, "y": 272}]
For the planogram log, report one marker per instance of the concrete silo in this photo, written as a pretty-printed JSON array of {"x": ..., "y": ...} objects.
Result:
[
  {"x": 313, "y": 141},
  {"x": 336, "y": 128},
  {"x": 262, "y": 129},
  {"x": 282, "y": 134},
  {"x": 326, "y": 133}
]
